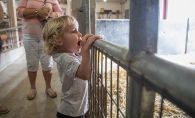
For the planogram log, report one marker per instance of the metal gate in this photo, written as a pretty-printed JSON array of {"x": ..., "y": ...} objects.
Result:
[
  {"x": 165, "y": 86},
  {"x": 138, "y": 72}
]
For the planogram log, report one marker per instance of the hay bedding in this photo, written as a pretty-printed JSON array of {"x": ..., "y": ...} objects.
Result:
[
  {"x": 122, "y": 93},
  {"x": 169, "y": 109}
]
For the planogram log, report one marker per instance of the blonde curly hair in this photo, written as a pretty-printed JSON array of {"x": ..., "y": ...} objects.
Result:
[{"x": 53, "y": 31}]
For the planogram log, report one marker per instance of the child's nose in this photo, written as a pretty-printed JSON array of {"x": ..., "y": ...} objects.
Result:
[{"x": 80, "y": 35}]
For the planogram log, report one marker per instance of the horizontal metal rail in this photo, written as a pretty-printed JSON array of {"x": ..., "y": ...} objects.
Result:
[
  {"x": 118, "y": 51},
  {"x": 173, "y": 81},
  {"x": 11, "y": 28}
]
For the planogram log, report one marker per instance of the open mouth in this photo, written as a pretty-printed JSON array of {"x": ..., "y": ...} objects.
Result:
[{"x": 79, "y": 43}]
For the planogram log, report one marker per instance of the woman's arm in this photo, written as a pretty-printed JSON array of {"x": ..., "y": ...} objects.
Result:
[
  {"x": 56, "y": 10},
  {"x": 31, "y": 11}
]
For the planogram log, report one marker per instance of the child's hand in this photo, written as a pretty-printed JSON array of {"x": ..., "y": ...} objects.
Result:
[
  {"x": 85, "y": 38},
  {"x": 90, "y": 40}
]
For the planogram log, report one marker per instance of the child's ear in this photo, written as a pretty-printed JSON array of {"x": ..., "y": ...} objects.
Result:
[{"x": 59, "y": 42}]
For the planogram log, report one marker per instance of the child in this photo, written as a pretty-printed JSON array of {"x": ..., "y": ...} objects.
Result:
[{"x": 71, "y": 52}]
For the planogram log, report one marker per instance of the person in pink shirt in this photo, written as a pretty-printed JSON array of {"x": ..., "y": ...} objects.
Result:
[{"x": 33, "y": 13}]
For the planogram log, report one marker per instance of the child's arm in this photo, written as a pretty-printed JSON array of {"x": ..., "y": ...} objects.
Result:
[{"x": 84, "y": 70}]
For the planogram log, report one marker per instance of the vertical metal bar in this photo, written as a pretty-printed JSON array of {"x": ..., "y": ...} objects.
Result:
[
  {"x": 93, "y": 16},
  {"x": 11, "y": 40},
  {"x": 98, "y": 78},
  {"x": 161, "y": 106},
  {"x": 143, "y": 26},
  {"x": 143, "y": 37},
  {"x": 93, "y": 101},
  {"x": 102, "y": 100},
  {"x": 87, "y": 27},
  {"x": 118, "y": 105},
  {"x": 111, "y": 87},
  {"x": 186, "y": 43},
  {"x": 106, "y": 57},
  {"x": 90, "y": 88},
  {"x": 95, "y": 81},
  {"x": 127, "y": 91},
  {"x": 86, "y": 15}
]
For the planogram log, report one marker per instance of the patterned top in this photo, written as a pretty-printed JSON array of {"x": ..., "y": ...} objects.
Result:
[
  {"x": 75, "y": 91},
  {"x": 33, "y": 25}
]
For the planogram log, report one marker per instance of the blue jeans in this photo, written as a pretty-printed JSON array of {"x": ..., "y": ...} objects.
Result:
[{"x": 59, "y": 115}]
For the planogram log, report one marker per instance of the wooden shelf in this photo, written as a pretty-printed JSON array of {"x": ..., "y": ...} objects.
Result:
[{"x": 105, "y": 13}]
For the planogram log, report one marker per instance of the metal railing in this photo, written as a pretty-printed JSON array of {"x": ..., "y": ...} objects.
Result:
[
  {"x": 105, "y": 87},
  {"x": 8, "y": 38},
  {"x": 142, "y": 72},
  {"x": 172, "y": 81}
]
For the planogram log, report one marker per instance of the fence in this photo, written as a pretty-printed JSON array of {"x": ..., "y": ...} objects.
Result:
[
  {"x": 108, "y": 87},
  {"x": 135, "y": 82},
  {"x": 112, "y": 74},
  {"x": 7, "y": 34}
]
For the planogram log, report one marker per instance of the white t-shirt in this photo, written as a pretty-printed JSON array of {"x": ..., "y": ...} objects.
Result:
[{"x": 75, "y": 91}]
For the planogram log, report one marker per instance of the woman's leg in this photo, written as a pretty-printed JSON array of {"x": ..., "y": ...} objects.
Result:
[
  {"x": 49, "y": 91},
  {"x": 47, "y": 65},
  {"x": 32, "y": 58},
  {"x": 32, "y": 77},
  {"x": 47, "y": 76}
]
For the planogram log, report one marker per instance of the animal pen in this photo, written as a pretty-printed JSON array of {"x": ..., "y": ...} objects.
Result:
[
  {"x": 136, "y": 81},
  {"x": 139, "y": 76}
]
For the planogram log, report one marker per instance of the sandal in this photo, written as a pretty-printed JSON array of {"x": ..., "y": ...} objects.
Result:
[
  {"x": 32, "y": 94},
  {"x": 50, "y": 92},
  {"x": 3, "y": 109}
]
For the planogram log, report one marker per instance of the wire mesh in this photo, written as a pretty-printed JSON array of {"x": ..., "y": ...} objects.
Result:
[
  {"x": 107, "y": 83},
  {"x": 108, "y": 90}
]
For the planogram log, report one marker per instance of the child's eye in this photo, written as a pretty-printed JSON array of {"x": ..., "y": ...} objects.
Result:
[{"x": 74, "y": 31}]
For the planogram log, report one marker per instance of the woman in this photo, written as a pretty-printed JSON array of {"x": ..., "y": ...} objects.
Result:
[{"x": 33, "y": 13}]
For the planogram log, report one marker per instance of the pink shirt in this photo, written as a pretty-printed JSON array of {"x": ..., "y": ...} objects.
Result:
[{"x": 34, "y": 26}]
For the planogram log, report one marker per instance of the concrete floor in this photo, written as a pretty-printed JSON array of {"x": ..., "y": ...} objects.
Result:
[{"x": 14, "y": 86}]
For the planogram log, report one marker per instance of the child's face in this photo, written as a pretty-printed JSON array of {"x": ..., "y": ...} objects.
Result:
[{"x": 71, "y": 40}]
